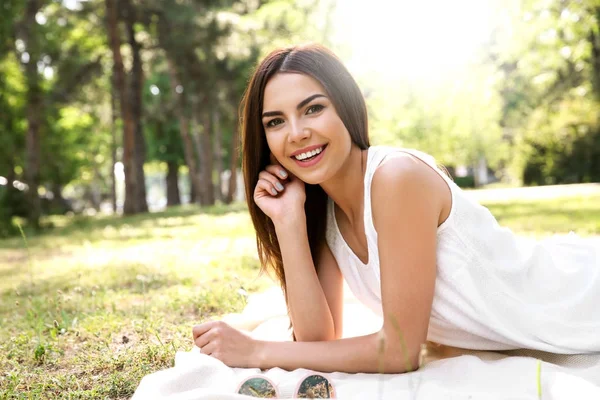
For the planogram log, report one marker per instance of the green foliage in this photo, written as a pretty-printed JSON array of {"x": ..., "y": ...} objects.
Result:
[
  {"x": 12, "y": 139},
  {"x": 12, "y": 103},
  {"x": 465, "y": 181},
  {"x": 66, "y": 45},
  {"x": 575, "y": 158},
  {"x": 527, "y": 102},
  {"x": 161, "y": 125},
  {"x": 455, "y": 120},
  {"x": 550, "y": 115},
  {"x": 40, "y": 353}
]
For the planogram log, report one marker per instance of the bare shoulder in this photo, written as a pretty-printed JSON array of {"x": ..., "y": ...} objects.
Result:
[
  {"x": 404, "y": 179},
  {"x": 405, "y": 169}
]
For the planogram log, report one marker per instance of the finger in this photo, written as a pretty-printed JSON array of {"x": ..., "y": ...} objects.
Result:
[
  {"x": 209, "y": 349},
  {"x": 199, "y": 330},
  {"x": 272, "y": 179},
  {"x": 267, "y": 187},
  {"x": 203, "y": 340},
  {"x": 277, "y": 170}
]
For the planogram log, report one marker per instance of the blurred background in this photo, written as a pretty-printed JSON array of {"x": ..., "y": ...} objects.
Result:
[
  {"x": 128, "y": 106},
  {"x": 122, "y": 221}
]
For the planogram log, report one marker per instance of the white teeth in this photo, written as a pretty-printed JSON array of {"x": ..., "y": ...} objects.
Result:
[{"x": 308, "y": 154}]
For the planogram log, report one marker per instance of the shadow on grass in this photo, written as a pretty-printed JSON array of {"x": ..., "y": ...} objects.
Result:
[
  {"x": 117, "y": 221},
  {"x": 134, "y": 278},
  {"x": 92, "y": 224}
]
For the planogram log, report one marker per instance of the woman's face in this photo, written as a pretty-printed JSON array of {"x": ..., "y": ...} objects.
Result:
[{"x": 303, "y": 129}]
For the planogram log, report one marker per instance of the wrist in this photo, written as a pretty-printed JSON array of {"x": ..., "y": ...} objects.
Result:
[
  {"x": 260, "y": 354},
  {"x": 290, "y": 221}
]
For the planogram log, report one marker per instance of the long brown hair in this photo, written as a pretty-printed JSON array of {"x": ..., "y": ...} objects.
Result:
[{"x": 321, "y": 64}]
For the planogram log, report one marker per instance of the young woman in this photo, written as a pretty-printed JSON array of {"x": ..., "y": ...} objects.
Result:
[{"x": 411, "y": 245}]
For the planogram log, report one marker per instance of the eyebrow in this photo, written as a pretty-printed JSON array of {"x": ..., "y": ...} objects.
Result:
[{"x": 299, "y": 106}]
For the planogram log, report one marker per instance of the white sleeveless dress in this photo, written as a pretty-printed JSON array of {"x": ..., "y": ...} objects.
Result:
[{"x": 493, "y": 290}]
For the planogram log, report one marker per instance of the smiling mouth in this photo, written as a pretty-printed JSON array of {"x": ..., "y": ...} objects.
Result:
[{"x": 309, "y": 155}]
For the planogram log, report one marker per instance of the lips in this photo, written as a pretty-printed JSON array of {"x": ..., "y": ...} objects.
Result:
[
  {"x": 307, "y": 149},
  {"x": 310, "y": 158},
  {"x": 306, "y": 155}
]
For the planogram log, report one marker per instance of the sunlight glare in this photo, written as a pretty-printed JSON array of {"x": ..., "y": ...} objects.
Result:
[
  {"x": 74, "y": 5},
  {"x": 410, "y": 38}
]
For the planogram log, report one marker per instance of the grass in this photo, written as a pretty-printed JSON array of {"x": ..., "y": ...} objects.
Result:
[
  {"x": 580, "y": 214},
  {"x": 91, "y": 306},
  {"x": 102, "y": 302}
]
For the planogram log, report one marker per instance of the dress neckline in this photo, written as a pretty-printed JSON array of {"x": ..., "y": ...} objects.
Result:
[{"x": 365, "y": 205}]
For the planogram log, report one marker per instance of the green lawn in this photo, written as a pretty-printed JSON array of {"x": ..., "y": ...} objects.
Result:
[
  {"x": 545, "y": 217},
  {"x": 90, "y": 307}
]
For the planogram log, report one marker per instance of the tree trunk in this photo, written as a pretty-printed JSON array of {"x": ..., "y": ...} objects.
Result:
[
  {"x": 200, "y": 193},
  {"x": 234, "y": 157},
  {"x": 136, "y": 87},
  {"x": 34, "y": 113},
  {"x": 218, "y": 152},
  {"x": 207, "y": 156},
  {"x": 184, "y": 129},
  {"x": 594, "y": 39},
  {"x": 140, "y": 156},
  {"x": 173, "y": 184},
  {"x": 95, "y": 191},
  {"x": 113, "y": 144},
  {"x": 204, "y": 150},
  {"x": 128, "y": 124},
  {"x": 194, "y": 196}
]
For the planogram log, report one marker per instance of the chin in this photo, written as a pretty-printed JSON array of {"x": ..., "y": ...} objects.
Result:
[{"x": 315, "y": 178}]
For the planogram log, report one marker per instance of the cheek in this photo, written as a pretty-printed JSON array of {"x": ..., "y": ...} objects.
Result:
[
  {"x": 335, "y": 126},
  {"x": 276, "y": 145},
  {"x": 339, "y": 131}
]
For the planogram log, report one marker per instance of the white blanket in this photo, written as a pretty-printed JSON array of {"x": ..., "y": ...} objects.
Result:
[{"x": 447, "y": 374}]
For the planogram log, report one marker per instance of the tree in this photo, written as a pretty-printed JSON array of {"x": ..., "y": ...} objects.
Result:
[
  {"x": 130, "y": 106},
  {"x": 550, "y": 114},
  {"x": 29, "y": 31},
  {"x": 162, "y": 127},
  {"x": 135, "y": 101},
  {"x": 52, "y": 68}
]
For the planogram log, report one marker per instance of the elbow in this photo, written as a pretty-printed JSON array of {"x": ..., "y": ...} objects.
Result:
[
  {"x": 398, "y": 357},
  {"x": 319, "y": 332},
  {"x": 399, "y": 362}
]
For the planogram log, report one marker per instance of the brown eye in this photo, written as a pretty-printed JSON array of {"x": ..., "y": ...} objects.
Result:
[
  {"x": 274, "y": 122},
  {"x": 314, "y": 109}
]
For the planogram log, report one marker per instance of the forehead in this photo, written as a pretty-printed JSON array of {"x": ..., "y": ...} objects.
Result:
[{"x": 286, "y": 89}]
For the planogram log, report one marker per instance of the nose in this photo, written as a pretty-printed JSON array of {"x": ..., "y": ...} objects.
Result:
[{"x": 298, "y": 133}]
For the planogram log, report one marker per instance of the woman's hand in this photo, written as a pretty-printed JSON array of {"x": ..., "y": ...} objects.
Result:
[
  {"x": 227, "y": 344},
  {"x": 279, "y": 194}
]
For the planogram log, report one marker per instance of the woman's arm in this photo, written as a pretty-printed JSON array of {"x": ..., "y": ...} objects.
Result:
[
  {"x": 332, "y": 282},
  {"x": 407, "y": 200},
  {"x": 314, "y": 299}
]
